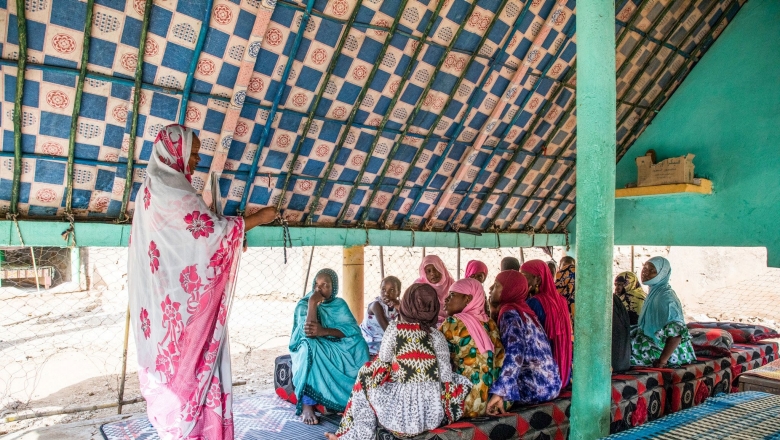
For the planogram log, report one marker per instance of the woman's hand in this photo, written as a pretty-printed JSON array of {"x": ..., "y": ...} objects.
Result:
[
  {"x": 261, "y": 217},
  {"x": 495, "y": 406},
  {"x": 658, "y": 363},
  {"x": 316, "y": 297},
  {"x": 313, "y": 330}
]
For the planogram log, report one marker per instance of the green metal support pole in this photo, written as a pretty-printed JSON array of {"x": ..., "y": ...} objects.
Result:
[
  {"x": 21, "y": 23},
  {"x": 596, "y": 106}
]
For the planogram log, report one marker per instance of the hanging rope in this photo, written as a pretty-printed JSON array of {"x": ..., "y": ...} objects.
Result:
[
  {"x": 21, "y": 242},
  {"x": 70, "y": 233},
  {"x": 285, "y": 237}
]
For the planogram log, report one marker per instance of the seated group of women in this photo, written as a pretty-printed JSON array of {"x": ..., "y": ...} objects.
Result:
[{"x": 438, "y": 352}]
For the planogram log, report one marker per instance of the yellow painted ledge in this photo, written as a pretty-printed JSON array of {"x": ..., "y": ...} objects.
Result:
[{"x": 663, "y": 190}]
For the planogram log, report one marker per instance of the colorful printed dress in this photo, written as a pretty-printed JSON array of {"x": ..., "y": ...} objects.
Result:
[
  {"x": 409, "y": 389},
  {"x": 529, "y": 374},
  {"x": 644, "y": 350},
  {"x": 372, "y": 330},
  {"x": 481, "y": 368}
]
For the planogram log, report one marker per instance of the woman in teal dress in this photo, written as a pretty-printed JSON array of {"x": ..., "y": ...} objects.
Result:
[
  {"x": 661, "y": 339},
  {"x": 327, "y": 348}
]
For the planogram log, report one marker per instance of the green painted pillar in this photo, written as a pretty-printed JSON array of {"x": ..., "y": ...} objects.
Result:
[{"x": 591, "y": 396}]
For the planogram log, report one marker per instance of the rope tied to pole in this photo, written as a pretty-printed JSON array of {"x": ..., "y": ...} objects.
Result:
[
  {"x": 15, "y": 219},
  {"x": 286, "y": 239},
  {"x": 70, "y": 233}
]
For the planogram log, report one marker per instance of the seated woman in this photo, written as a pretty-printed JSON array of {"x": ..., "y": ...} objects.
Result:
[
  {"x": 621, "y": 336},
  {"x": 326, "y": 347},
  {"x": 630, "y": 292},
  {"x": 477, "y": 270},
  {"x": 434, "y": 273},
  {"x": 565, "y": 280},
  {"x": 552, "y": 310},
  {"x": 410, "y": 388},
  {"x": 661, "y": 338},
  {"x": 380, "y": 312},
  {"x": 529, "y": 374},
  {"x": 476, "y": 351}
]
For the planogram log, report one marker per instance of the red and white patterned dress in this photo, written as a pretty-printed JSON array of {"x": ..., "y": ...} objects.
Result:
[
  {"x": 182, "y": 266},
  {"x": 409, "y": 389}
]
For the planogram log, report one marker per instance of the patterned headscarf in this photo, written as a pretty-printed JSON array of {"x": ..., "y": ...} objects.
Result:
[
  {"x": 420, "y": 305},
  {"x": 633, "y": 297},
  {"x": 172, "y": 148},
  {"x": 565, "y": 281},
  {"x": 334, "y": 281}
]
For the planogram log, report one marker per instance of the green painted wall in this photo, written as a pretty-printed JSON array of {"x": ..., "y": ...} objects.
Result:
[{"x": 727, "y": 113}]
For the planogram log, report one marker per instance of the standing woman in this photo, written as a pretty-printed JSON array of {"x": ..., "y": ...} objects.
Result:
[
  {"x": 327, "y": 348},
  {"x": 182, "y": 262},
  {"x": 553, "y": 312},
  {"x": 476, "y": 351},
  {"x": 434, "y": 273},
  {"x": 661, "y": 338}
]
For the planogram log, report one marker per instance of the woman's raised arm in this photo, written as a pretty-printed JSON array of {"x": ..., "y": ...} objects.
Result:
[{"x": 261, "y": 217}]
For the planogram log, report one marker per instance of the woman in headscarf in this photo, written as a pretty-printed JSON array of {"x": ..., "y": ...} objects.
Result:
[
  {"x": 661, "y": 338},
  {"x": 476, "y": 351},
  {"x": 327, "y": 348},
  {"x": 553, "y": 313},
  {"x": 410, "y": 388},
  {"x": 434, "y": 273},
  {"x": 565, "y": 280},
  {"x": 477, "y": 270},
  {"x": 529, "y": 374},
  {"x": 630, "y": 292},
  {"x": 182, "y": 262}
]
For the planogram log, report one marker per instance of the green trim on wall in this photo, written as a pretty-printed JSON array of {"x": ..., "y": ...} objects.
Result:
[
  {"x": 727, "y": 113},
  {"x": 49, "y": 233}
]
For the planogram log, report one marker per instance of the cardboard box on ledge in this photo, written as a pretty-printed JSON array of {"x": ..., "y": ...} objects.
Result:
[{"x": 667, "y": 172}]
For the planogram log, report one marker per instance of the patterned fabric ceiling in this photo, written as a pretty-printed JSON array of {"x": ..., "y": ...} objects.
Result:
[{"x": 447, "y": 114}]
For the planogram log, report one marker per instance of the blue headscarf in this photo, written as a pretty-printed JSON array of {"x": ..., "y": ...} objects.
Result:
[
  {"x": 325, "y": 368},
  {"x": 662, "y": 305}
]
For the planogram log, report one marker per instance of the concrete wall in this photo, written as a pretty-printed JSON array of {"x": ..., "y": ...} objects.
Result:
[{"x": 727, "y": 113}]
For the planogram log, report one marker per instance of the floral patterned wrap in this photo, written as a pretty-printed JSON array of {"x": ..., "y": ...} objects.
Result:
[
  {"x": 181, "y": 274},
  {"x": 481, "y": 368}
]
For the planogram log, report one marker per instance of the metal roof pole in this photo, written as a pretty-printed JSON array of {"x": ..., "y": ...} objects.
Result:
[
  {"x": 275, "y": 107},
  {"x": 296, "y": 150},
  {"x": 407, "y": 128},
  {"x": 21, "y": 23},
  {"x": 315, "y": 201},
  {"x": 136, "y": 105},
  {"x": 652, "y": 107},
  {"x": 491, "y": 65},
  {"x": 596, "y": 117},
  {"x": 187, "y": 89},
  {"x": 74, "y": 122}
]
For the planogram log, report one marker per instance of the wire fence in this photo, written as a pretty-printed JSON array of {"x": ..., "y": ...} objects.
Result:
[
  {"x": 63, "y": 313},
  {"x": 63, "y": 317}
]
